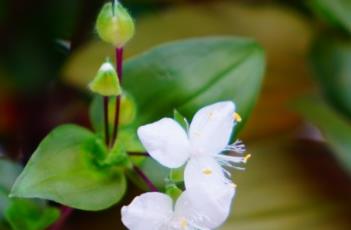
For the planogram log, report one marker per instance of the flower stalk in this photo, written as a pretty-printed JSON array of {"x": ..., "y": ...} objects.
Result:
[
  {"x": 106, "y": 125},
  {"x": 65, "y": 213},
  {"x": 119, "y": 68},
  {"x": 148, "y": 182}
]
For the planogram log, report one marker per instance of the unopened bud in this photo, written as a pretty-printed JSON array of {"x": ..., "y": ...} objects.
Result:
[
  {"x": 106, "y": 82},
  {"x": 114, "y": 24},
  {"x": 173, "y": 191}
]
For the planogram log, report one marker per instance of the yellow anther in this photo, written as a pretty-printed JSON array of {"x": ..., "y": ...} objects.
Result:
[
  {"x": 183, "y": 223},
  {"x": 233, "y": 185},
  {"x": 207, "y": 171},
  {"x": 246, "y": 158},
  {"x": 237, "y": 117}
]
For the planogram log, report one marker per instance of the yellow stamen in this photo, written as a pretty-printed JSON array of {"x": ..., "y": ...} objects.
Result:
[
  {"x": 246, "y": 158},
  {"x": 237, "y": 117},
  {"x": 207, "y": 171},
  {"x": 183, "y": 223},
  {"x": 233, "y": 185}
]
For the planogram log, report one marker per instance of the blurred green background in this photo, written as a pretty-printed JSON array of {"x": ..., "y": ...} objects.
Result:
[{"x": 299, "y": 133}]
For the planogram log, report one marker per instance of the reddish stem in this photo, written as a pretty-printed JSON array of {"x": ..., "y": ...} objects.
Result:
[
  {"x": 65, "y": 213},
  {"x": 119, "y": 67},
  {"x": 138, "y": 154},
  {"x": 148, "y": 182},
  {"x": 107, "y": 131}
]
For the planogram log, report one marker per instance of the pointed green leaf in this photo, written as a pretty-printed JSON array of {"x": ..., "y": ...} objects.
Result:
[{"x": 61, "y": 170}]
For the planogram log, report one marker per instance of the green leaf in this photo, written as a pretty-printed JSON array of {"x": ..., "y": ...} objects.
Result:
[
  {"x": 331, "y": 59},
  {"x": 19, "y": 213},
  {"x": 335, "y": 128},
  {"x": 29, "y": 215},
  {"x": 61, "y": 170},
  {"x": 336, "y": 12},
  {"x": 190, "y": 74},
  {"x": 182, "y": 121}
]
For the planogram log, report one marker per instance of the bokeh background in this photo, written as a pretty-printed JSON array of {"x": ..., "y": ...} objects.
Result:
[{"x": 299, "y": 133}]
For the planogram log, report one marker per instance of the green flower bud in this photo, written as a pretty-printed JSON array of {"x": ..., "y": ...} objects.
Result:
[
  {"x": 106, "y": 82},
  {"x": 173, "y": 191},
  {"x": 114, "y": 24},
  {"x": 128, "y": 109}
]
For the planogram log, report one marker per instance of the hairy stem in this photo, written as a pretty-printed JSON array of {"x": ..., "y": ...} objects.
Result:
[
  {"x": 148, "y": 182},
  {"x": 65, "y": 213},
  {"x": 119, "y": 67}
]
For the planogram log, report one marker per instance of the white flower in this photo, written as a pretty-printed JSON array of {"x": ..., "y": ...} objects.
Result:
[
  {"x": 154, "y": 211},
  {"x": 202, "y": 147}
]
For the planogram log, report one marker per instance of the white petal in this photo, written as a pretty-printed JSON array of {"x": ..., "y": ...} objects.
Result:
[
  {"x": 203, "y": 213},
  {"x": 148, "y": 211},
  {"x": 209, "y": 190},
  {"x": 211, "y": 127},
  {"x": 205, "y": 172},
  {"x": 166, "y": 141}
]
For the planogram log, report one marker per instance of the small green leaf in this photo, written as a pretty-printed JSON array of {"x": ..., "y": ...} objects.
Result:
[
  {"x": 29, "y": 215},
  {"x": 61, "y": 170},
  {"x": 335, "y": 128},
  {"x": 336, "y": 12},
  {"x": 331, "y": 59},
  {"x": 182, "y": 121}
]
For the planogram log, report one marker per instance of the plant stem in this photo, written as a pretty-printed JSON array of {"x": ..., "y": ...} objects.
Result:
[
  {"x": 148, "y": 182},
  {"x": 138, "y": 154},
  {"x": 65, "y": 213},
  {"x": 119, "y": 67},
  {"x": 106, "y": 124}
]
